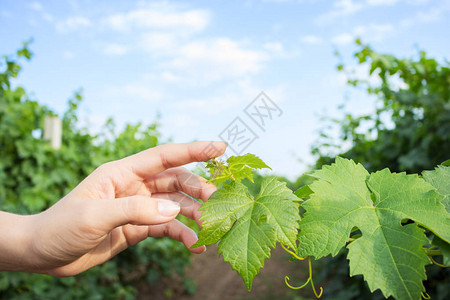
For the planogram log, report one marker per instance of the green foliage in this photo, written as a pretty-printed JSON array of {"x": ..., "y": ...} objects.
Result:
[
  {"x": 439, "y": 178},
  {"x": 381, "y": 218},
  {"x": 445, "y": 249},
  {"x": 33, "y": 176},
  {"x": 248, "y": 226},
  {"x": 389, "y": 255},
  {"x": 237, "y": 168},
  {"x": 410, "y": 129}
]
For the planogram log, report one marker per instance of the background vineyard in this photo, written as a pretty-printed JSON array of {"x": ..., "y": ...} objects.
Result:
[
  {"x": 410, "y": 131},
  {"x": 33, "y": 176}
]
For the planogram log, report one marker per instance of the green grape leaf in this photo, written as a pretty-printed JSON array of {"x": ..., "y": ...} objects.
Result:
[
  {"x": 440, "y": 179},
  {"x": 445, "y": 249},
  {"x": 303, "y": 192},
  {"x": 248, "y": 226},
  {"x": 446, "y": 163},
  {"x": 388, "y": 255},
  {"x": 250, "y": 160},
  {"x": 237, "y": 168}
]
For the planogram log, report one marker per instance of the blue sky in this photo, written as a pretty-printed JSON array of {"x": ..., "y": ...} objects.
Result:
[{"x": 200, "y": 63}]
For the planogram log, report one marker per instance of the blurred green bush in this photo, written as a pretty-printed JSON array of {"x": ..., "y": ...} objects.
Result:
[
  {"x": 33, "y": 176},
  {"x": 408, "y": 131}
]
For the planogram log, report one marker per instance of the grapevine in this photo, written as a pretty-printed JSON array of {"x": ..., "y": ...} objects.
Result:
[{"x": 393, "y": 224}]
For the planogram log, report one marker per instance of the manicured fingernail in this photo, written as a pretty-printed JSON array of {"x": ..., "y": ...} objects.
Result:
[
  {"x": 168, "y": 208},
  {"x": 204, "y": 250}
]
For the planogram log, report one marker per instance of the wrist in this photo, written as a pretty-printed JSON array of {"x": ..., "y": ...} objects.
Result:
[{"x": 16, "y": 234}]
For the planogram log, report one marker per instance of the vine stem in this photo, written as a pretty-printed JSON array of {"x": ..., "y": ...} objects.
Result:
[
  {"x": 425, "y": 295},
  {"x": 432, "y": 252},
  {"x": 436, "y": 263},
  {"x": 292, "y": 253}
]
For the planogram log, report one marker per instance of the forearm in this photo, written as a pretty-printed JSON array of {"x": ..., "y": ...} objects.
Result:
[{"x": 15, "y": 242}]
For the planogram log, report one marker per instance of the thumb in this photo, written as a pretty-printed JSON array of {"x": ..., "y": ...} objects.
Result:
[{"x": 138, "y": 210}]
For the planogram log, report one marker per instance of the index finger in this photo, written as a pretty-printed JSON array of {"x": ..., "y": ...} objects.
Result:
[{"x": 155, "y": 160}]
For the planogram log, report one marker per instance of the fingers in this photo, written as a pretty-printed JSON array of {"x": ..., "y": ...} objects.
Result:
[
  {"x": 180, "y": 179},
  {"x": 177, "y": 231},
  {"x": 188, "y": 205},
  {"x": 173, "y": 228},
  {"x": 155, "y": 160},
  {"x": 137, "y": 210}
]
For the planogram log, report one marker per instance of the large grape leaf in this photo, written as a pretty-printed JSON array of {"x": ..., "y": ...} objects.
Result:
[
  {"x": 440, "y": 179},
  {"x": 388, "y": 255},
  {"x": 247, "y": 227}
]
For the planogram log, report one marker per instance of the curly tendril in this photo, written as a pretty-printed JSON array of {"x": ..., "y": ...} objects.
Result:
[
  {"x": 309, "y": 280},
  {"x": 437, "y": 264}
]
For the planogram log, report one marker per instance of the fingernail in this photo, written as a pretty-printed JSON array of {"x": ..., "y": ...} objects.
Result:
[
  {"x": 223, "y": 143},
  {"x": 168, "y": 208},
  {"x": 204, "y": 250}
]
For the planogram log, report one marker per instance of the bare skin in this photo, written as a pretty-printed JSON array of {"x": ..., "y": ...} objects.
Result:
[{"x": 120, "y": 204}]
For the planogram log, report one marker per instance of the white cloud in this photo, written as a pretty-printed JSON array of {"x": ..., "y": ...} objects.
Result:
[
  {"x": 173, "y": 34},
  {"x": 276, "y": 1},
  {"x": 340, "y": 8},
  {"x": 346, "y": 7},
  {"x": 374, "y": 32},
  {"x": 275, "y": 47},
  {"x": 73, "y": 23},
  {"x": 382, "y": 2},
  {"x": 68, "y": 54},
  {"x": 6, "y": 13},
  {"x": 159, "y": 42},
  {"x": 392, "y": 2},
  {"x": 335, "y": 80},
  {"x": 159, "y": 16},
  {"x": 427, "y": 16},
  {"x": 213, "y": 59},
  {"x": 369, "y": 33},
  {"x": 36, "y": 6},
  {"x": 115, "y": 49},
  {"x": 418, "y": 2},
  {"x": 343, "y": 39},
  {"x": 228, "y": 97},
  {"x": 180, "y": 122},
  {"x": 311, "y": 39},
  {"x": 197, "y": 61},
  {"x": 47, "y": 16},
  {"x": 170, "y": 77},
  {"x": 431, "y": 15},
  {"x": 277, "y": 50},
  {"x": 125, "y": 97},
  {"x": 139, "y": 91}
]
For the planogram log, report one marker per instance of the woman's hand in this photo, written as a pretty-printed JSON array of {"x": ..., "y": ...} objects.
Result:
[{"x": 120, "y": 204}]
